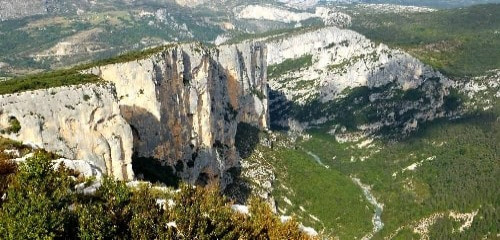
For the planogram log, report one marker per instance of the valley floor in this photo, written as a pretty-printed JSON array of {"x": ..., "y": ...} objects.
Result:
[{"x": 441, "y": 182}]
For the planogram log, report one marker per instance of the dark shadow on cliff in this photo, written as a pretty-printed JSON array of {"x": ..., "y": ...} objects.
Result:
[
  {"x": 147, "y": 168},
  {"x": 239, "y": 190},
  {"x": 152, "y": 170},
  {"x": 246, "y": 140}
]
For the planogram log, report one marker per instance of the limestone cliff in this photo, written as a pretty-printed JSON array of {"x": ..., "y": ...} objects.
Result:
[
  {"x": 341, "y": 76},
  {"x": 184, "y": 104},
  {"x": 77, "y": 122},
  {"x": 180, "y": 106}
]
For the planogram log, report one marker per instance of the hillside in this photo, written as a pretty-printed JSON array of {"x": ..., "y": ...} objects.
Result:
[
  {"x": 458, "y": 42},
  {"x": 359, "y": 119}
]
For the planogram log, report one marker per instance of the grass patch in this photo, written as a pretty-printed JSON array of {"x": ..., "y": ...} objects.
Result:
[
  {"x": 15, "y": 126},
  {"x": 325, "y": 193},
  {"x": 68, "y": 77},
  {"x": 275, "y": 71},
  {"x": 46, "y": 80},
  {"x": 127, "y": 57}
]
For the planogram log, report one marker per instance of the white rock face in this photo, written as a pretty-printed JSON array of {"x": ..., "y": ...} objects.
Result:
[
  {"x": 272, "y": 13},
  {"x": 299, "y": 3},
  {"x": 180, "y": 106},
  {"x": 393, "y": 8},
  {"x": 77, "y": 122},
  {"x": 85, "y": 168},
  {"x": 184, "y": 104},
  {"x": 344, "y": 59},
  {"x": 191, "y": 3},
  {"x": 330, "y": 16},
  {"x": 240, "y": 209}
]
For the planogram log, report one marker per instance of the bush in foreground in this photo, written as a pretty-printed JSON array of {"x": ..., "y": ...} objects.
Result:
[{"x": 41, "y": 204}]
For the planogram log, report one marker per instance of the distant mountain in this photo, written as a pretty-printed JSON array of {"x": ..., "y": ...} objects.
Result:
[{"x": 427, "y": 3}]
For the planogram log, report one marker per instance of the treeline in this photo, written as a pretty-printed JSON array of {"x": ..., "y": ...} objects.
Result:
[{"x": 39, "y": 202}]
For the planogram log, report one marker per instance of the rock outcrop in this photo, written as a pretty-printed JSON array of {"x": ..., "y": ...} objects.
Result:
[
  {"x": 77, "y": 122},
  {"x": 330, "y": 64}
]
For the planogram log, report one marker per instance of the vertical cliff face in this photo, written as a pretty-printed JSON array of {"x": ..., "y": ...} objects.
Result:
[
  {"x": 180, "y": 106},
  {"x": 76, "y": 122},
  {"x": 184, "y": 104}
]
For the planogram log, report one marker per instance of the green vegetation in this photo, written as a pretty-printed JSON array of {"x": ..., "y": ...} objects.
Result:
[
  {"x": 279, "y": 33},
  {"x": 275, "y": 71},
  {"x": 459, "y": 42},
  {"x": 72, "y": 76},
  {"x": 40, "y": 204},
  {"x": 15, "y": 126},
  {"x": 39, "y": 196},
  {"x": 304, "y": 84},
  {"x": 355, "y": 107},
  {"x": 258, "y": 93},
  {"x": 127, "y": 57},
  {"x": 342, "y": 67},
  {"x": 109, "y": 30},
  {"x": 46, "y": 80},
  {"x": 323, "y": 193},
  {"x": 7, "y": 167},
  {"x": 462, "y": 175}
]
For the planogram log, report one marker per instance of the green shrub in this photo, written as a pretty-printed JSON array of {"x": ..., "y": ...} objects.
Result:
[
  {"x": 41, "y": 205},
  {"x": 46, "y": 80},
  {"x": 148, "y": 219},
  {"x": 37, "y": 202},
  {"x": 15, "y": 126},
  {"x": 458, "y": 42},
  {"x": 263, "y": 224},
  {"x": 203, "y": 213},
  {"x": 7, "y": 169},
  {"x": 275, "y": 71},
  {"x": 94, "y": 222}
]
